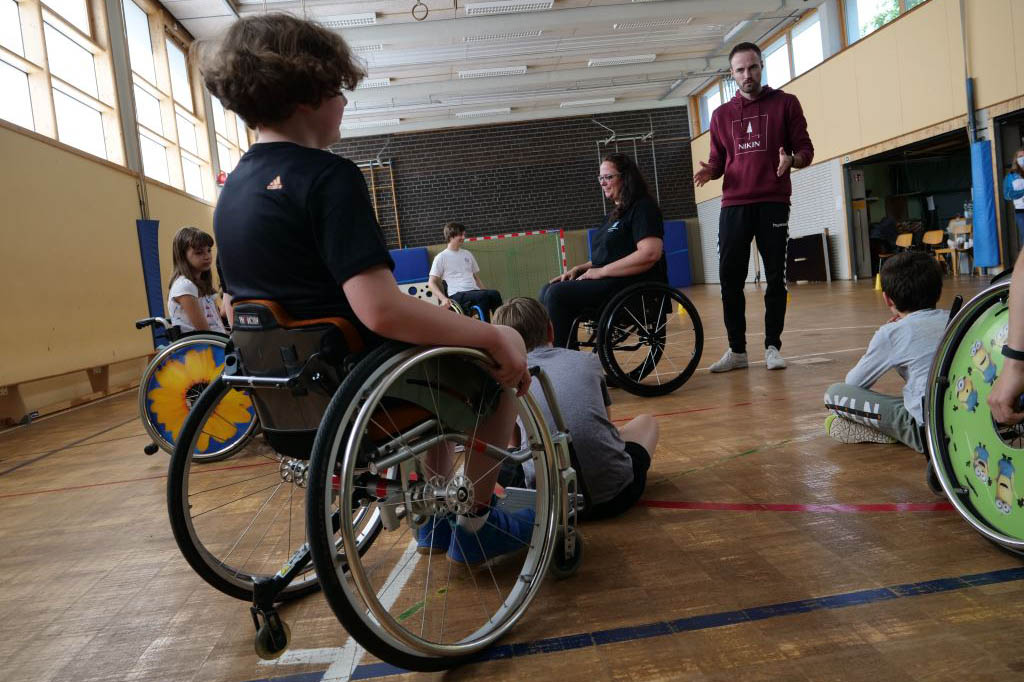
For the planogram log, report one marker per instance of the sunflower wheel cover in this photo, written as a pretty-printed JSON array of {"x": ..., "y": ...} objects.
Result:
[{"x": 174, "y": 380}]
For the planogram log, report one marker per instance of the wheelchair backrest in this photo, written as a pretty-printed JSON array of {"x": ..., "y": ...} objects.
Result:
[{"x": 268, "y": 343}]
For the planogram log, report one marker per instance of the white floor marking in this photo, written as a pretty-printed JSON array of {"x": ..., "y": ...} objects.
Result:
[{"x": 343, "y": 660}]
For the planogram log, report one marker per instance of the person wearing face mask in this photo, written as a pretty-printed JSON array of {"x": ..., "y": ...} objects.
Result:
[
  {"x": 628, "y": 248},
  {"x": 756, "y": 139},
  {"x": 1013, "y": 190}
]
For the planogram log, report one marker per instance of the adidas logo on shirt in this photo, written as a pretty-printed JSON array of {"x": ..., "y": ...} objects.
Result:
[{"x": 276, "y": 183}]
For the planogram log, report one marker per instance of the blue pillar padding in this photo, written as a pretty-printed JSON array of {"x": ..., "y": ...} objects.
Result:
[
  {"x": 986, "y": 238},
  {"x": 411, "y": 265},
  {"x": 149, "y": 250},
  {"x": 677, "y": 254}
]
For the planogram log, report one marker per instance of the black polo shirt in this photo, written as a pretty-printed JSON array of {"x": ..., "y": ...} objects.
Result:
[
  {"x": 292, "y": 225},
  {"x": 618, "y": 238}
]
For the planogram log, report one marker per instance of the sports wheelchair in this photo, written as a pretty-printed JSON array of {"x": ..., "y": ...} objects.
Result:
[
  {"x": 974, "y": 458},
  {"x": 173, "y": 380},
  {"x": 348, "y": 434},
  {"x": 649, "y": 337}
]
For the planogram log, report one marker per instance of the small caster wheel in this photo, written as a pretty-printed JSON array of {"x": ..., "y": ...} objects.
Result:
[
  {"x": 931, "y": 477},
  {"x": 271, "y": 642},
  {"x": 563, "y": 567},
  {"x": 151, "y": 449}
]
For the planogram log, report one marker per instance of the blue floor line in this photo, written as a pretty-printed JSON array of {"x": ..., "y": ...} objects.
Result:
[{"x": 703, "y": 622}]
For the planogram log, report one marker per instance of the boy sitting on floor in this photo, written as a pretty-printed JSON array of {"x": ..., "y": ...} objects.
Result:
[
  {"x": 460, "y": 272},
  {"x": 613, "y": 462},
  {"x": 911, "y": 286}
]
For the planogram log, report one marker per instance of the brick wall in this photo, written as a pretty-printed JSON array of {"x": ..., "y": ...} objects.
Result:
[{"x": 511, "y": 177}]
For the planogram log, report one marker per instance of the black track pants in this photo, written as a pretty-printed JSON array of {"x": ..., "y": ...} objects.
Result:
[
  {"x": 488, "y": 299},
  {"x": 566, "y": 301},
  {"x": 768, "y": 223}
]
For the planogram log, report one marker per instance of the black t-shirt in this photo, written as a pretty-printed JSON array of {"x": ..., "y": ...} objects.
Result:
[
  {"x": 618, "y": 238},
  {"x": 292, "y": 225}
]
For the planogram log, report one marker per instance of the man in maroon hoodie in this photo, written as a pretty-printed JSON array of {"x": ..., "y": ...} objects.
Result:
[{"x": 756, "y": 138}]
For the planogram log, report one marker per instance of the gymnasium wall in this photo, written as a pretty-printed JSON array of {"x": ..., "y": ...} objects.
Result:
[
  {"x": 70, "y": 266},
  {"x": 906, "y": 77},
  {"x": 534, "y": 175}
]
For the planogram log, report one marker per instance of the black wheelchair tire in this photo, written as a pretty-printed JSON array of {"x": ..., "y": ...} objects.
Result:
[{"x": 605, "y": 347}]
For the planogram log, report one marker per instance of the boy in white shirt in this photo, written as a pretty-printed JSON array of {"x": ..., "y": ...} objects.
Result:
[{"x": 459, "y": 270}]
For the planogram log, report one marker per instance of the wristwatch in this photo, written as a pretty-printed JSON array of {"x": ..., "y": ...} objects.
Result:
[{"x": 1013, "y": 353}]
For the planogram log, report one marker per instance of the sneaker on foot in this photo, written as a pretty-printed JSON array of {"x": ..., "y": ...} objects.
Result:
[
  {"x": 846, "y": 431},
  {"x": 434, "y": 536},
  {"x": 502, "y": 533},
  {"x": 730, "y": 361},
  {"x": 773, "y": 358}
]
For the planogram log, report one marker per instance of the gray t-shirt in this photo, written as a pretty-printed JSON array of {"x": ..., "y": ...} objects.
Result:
[
  {"x": 582, "y": 395},
  {"x": 908, "y": 346}
]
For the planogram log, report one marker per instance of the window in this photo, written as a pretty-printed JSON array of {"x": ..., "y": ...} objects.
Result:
[
  {"x": 776, "y": 64},
  {"x": 147, "y": 110},
  {"x": 192, "y": 172},
  {"x": 75, "y": 12},
  {"x": 180, "y": 85},
  {"x": 807, "y": 45},
  {"x": 187, "y": 135},
  {"x": 16, "y": 104},
  {"x": 154, "y": 158},
  {"x": 140, "y": 44},
  {"x": 10, "y": 27},
  {"x": 219, "y": 117},
  {"x": 866, "y": 16},
  {"x": 79, "y": 124},
  {"x": 709, "y": 101},
  {"x": 69, "y": 61}
]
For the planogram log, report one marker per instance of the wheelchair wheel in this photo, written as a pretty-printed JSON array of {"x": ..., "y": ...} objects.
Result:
[
  {"x": 974, "y": 458},
  {"x": 421, "y": 611},
  {"x": 245, "y": 520},
  {"x": 650, "y": 339},
  {"x": 170, "y": 386}
]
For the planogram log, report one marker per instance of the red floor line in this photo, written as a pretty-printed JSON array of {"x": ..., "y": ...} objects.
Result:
[
  {"x": 823, "y": 508},
  {"x": 121, "y": 482}
]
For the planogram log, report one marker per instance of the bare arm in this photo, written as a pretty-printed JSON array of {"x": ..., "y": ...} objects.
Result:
[
  {"x": 1003, "y": 398},
  {"x": 648, "y": 252},
  {"x": 377, "y": 302},
  {"x": 479, "y": 284},
  {"x": 190, "y": 306},
  {"x": 434, "y": 284}
]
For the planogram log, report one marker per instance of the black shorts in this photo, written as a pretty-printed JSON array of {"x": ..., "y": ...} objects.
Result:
[{"x": 631, "y": 493}]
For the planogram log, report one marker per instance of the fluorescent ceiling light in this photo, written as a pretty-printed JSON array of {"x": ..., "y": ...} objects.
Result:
[
  {"x": 483, "y": 112},
  {"x": 374, "y": 83},
  {"x": 735, "y": 29},
  {"x": 515, "y": 35},
  {"x": 587, "y": 102},
  {"x": 380, "y": 123},
  {"x": 614, "y": 61},
  {"x": 372, "y": 47},
  {"x": 651, "y": 23},
  {"x": 476, "y": 9},
  {"x": 348, "y": 20},
  {"x": 497, "y": 71}
]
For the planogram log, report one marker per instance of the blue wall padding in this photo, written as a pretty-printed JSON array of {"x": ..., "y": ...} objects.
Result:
[
  {"x": 149, "y": 250},
  {"x": 411, "y": 265},
  {"x": 675, "y": 236},
  {"x": 986, "y": 239}
]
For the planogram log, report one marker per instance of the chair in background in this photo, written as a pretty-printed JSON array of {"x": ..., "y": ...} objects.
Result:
[
  {"x": 962, "y": 233},
  {"x": 903, "y": 242},
  {"x": 935, "y": 242}
]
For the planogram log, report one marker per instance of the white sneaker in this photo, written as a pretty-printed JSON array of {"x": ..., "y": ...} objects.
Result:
[
  {"x": 773, "y": 358},
  {"x": 846, "y": 431},
  {"x": 730, "y": 361}
]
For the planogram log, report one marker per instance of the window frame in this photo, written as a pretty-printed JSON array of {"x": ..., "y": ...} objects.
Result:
[{"x": 845, "y": 18}]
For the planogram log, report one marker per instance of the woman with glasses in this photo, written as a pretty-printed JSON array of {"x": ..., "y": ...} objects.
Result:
[{"x": 627, "y": 249}]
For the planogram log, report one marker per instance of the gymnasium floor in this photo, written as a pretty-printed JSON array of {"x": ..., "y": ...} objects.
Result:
[{"x": 764, "y": 551}]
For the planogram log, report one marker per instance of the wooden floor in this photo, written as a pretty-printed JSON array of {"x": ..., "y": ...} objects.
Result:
[{"x": 753, "y": 559}]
